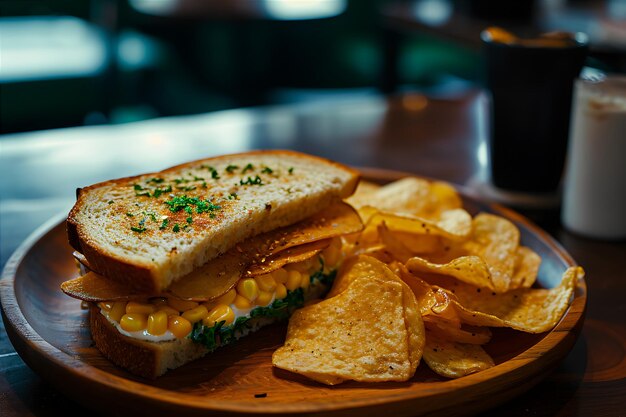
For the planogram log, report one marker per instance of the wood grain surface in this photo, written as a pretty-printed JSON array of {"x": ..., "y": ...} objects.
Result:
[{"x": 50, "y": 331}]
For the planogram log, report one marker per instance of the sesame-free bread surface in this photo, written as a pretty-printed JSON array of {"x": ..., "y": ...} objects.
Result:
[{"x": 153, "y": 229}]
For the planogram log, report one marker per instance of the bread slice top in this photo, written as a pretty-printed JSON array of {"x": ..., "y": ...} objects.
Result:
[{"x": 152, "y": 229}]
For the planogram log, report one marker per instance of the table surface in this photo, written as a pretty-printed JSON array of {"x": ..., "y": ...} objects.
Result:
[{"x": 436, "y": 137}]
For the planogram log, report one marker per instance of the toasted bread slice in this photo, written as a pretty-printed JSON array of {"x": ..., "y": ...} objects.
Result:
[{"x": 150, "y": 230}]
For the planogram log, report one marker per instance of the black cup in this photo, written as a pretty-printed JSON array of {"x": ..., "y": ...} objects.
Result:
[{"x": 531, "y": 94}]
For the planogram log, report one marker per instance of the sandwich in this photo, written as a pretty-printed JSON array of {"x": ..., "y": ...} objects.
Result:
[{"x": 177, "y": 263}]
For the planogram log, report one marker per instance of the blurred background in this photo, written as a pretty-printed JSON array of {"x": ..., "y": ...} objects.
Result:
[{"x": 79, "y": 62}]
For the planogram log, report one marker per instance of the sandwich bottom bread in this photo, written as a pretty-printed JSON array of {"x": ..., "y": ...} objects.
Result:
[{"x": 124, "y": 331}]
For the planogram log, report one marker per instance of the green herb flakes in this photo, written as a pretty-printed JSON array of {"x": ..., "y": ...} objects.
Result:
[{"x": 252, "y": 181}]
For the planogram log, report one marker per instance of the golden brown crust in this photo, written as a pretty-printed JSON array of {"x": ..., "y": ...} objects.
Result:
[{"x": 140, "y": 276}]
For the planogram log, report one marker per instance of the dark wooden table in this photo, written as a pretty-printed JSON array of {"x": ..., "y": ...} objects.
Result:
[{"x": 441, "y": 138}]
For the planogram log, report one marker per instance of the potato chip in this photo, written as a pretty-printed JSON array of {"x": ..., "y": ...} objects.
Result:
[
  {"x": 454, "y": 360},
  {"x": 470, "y": 269},
  {"x": 369, "y": 268},
  {"x": 526, "y": 268},
  {"x": 363, "y": 194},
  {"x": 495, "y": 240},
  {"x": 94, "y": 287},
  {"x": 394, "y": 246},
  {"x": 419, "y": 244},
  {"x": 422, "y": 290},
  {"x": 288, "y": 256},
  {"x": 525, "y": 309},
  {"x": 472, "y": 335},
  {"x": 414, "y": 326},
  {"x": 455, "y": 225},
  {"x": 414, "y": 196},
  {"x": 360, "y": 267},
  {"x": 359, "y": 335},
  {"x": 336, "y": 220}
]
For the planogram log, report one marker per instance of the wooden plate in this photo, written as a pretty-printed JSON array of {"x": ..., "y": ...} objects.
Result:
[{"x": 49, "y": 331}]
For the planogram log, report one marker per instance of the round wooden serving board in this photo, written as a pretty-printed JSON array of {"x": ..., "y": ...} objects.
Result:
[{"x": 50, "y": 332}]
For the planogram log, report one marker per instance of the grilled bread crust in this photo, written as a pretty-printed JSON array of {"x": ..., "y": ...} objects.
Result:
[{"x": 140, "y": 240}]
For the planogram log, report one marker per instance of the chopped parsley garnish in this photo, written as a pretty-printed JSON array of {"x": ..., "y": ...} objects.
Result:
[
  {"x": 247, "y": 168},
  {"x": 176, "y": 228},
  {"x": 110, "y": 202},
  {"x": 232, "y": 196},
  {"x": 140, "y": 191},
  {"x": 231, "y": 168},
  {"x": 155, "y": 180},
  {"x": 149, "y": 214},
  {"x": 138, "y": 229},
  {"x": 129, "y": 214},
  {"x": 164, "y": 224},
  {"x": 267, "y": 170},
  {"x": 179, "y": 203},
  {"x": 215, "y": 175},
  {"x": 189, "y": 220},
  {"x": 252, "y": 181},
  {"x": 158, "y": 191},
  {"x": 290, "y": 170}
]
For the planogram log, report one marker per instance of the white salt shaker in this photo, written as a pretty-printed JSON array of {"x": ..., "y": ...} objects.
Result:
[{"x": 594, "y": 201}]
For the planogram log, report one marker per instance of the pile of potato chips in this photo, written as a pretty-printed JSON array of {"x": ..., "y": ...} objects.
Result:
[{"x": 423, "y": 279}]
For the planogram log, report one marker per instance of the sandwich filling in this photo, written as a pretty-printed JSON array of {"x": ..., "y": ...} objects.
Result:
[{"x": 252, "y": 302}]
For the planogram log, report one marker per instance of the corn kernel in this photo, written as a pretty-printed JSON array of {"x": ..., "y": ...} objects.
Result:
[
  {"x": 294, "y": 280},
  {"x": 105, "y": 305},
  {"x": 242, "y": 303},
  {"x": 264, "y": 298},
  {"x": 133, "y": 322},
  {"x": 280, "y": 275},
  {"x": 179, "y": 326},
  {"x": 227, "y": 298},
  {"x": 139, "y": 308},
  {"x": 117, "y": 310},
  {"x": 196, "y": 314},
  {"x": 266, "y": 283},
  {"x": 181, "y": 305},
  {"x": 222, "y": 312},
  {"x": 169, "y": 310},
  {"x": 157, "y": 323},
  {"x": 248, "y": 288},
  {"x": 281, "y": 292},
  {"x": 305, "y": 281}
]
